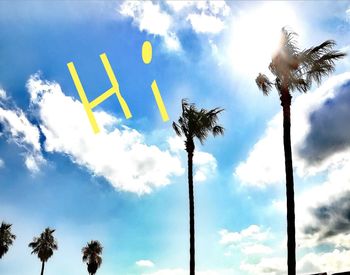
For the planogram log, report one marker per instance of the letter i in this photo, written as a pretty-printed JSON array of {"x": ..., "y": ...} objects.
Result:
[{"x": 147, "y": 58}]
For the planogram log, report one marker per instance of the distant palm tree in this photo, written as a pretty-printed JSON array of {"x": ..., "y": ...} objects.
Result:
[
  {"x": 44, "y": 246},
  {"x": 6, "y": 238},
  {"x": 194, "y": 123},
  {"x": 92, "y": 256},
  {"x": 295, "y": 69}
]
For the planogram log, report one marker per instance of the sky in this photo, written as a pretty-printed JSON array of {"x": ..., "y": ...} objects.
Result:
[{"x": 127, "y": 185}]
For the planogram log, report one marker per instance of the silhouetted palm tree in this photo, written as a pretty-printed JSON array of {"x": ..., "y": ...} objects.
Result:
[
  {"x": 295, "y": 69},
  {"x": 92, "y": 256},
  {"x": 44, "y": 246},
  {"x": 194, "y": 123},
  {"x": 6, "y": 238}
]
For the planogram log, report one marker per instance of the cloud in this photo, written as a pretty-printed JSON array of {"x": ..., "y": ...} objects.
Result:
[
  {"x": 267, "y": 266},
  {"x": 208, "y": 16},
  {"x": 332, "y": 218},
  {"x": 2, "y": 163},
  {"x": 149, "y": 17},
  {"x": 204, "y": 23},
  {"x": 251, "y": 233},
  {"x": 166, "y": 19},
  {"x": 330, "y": 262},
  {"x": 18, "y": 129},
  {"x": 310, "y": 140},
  {"x": 265, "y": 162},
  {"x": 118, "y": 153},
  {"x": 322, "y": 211},
  {"x": 205, "y": 164},
  {"x": 3, "y": 94},
  {"x": 327, "y": 134},
  {"x": 256, "y": 249},
  {"x": 249, "y": 241},
  {"x": 145, "y": 263}
]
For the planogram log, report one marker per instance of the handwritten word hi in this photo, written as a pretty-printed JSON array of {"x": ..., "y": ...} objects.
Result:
[{"x": 89, "y": 105}]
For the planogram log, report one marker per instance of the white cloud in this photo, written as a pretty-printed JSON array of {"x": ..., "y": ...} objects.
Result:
[
  {"x": 145, "y": 263},
  {"x": 251, "y": 233},
  {"x": 267, "y": 266},
  {"x": 265, "y": 162},
  {"x": 205, "y": 166},
  {"x": 322, "y": 197},
  {"x": 2, "y": 163},
  {"x": 330, "y": 262},
  {"x": 165, "y": 19},
  {"x": 256, "y": 249},
  {"x": 204, "y": 23},
  {"x": 149, "y": 17},
  {"x": 119, "y": 155},
  {"x": 21, "y": 131},
  {"x": 2, "y": 94},
  {"x": 178, "y": 6}
]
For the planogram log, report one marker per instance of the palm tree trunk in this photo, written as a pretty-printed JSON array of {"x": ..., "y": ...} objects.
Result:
[
  {"x": 42, "y": 268},
  {"x": 286, "y": 103},
  {"x": 191, "y": 205}
]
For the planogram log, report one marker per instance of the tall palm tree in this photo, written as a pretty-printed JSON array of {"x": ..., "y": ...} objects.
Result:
[
  {"x": 92, "y": 256},
  {"x": 43, "y": 246},
  {"x": 295, "y": 70},
  {"x": 6, "y": 238},
  {"x": 194, "y": 123}
]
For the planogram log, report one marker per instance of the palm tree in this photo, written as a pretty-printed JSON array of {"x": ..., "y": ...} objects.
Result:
[
  {"x": 295, "y": 69},
  {"x": 6, "y": 238},
  {"x": 92, "y": 256},
  {"x": 194, "y": 123},
  {"x": 44, "y": 246}
]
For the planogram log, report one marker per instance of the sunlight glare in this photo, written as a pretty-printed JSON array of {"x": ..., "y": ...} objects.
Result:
[{"x": 255, "y": 36}]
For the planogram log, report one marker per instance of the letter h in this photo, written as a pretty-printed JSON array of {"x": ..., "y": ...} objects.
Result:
[{"x": 88, "y": 106}]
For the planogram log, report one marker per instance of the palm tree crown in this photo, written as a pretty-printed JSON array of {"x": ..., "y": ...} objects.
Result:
[
  {"x": 6, "y": 238},
  {"x": 44, "y": 245},
  {"x": 194, "y": 123},
  {"x": 296, "y": 69},
  {"x": 92, "y": 256}
]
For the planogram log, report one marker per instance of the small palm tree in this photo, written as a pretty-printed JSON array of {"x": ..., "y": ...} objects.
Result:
[
  {"x": 194, "y": 123},
  {"x": 92, "y": 256},
  {"x": 6, "y": 238},
  {"x": 44, "y": 246},
  {"x": 295, "y": 70}
]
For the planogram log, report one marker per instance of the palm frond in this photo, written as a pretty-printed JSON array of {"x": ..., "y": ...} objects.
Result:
[
  {"x": 263, "y": 83},
  {"x": 177, "y": 129},
  {"x": 197, "y": 123}
]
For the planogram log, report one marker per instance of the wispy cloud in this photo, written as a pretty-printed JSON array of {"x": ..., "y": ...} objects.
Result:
[
  {"x": 18, "y": 129},
  {"x": 145, "y": 263}
]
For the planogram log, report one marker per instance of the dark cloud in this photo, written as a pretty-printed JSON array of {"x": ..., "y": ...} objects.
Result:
[
  {"x": 329, "y": 127},
  {"x": 331, "y": 219}
]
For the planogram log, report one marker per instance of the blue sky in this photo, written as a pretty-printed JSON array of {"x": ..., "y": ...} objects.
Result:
[{"x": 126, "y": 186}]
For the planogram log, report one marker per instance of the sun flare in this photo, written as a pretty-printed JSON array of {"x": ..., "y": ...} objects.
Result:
[{"x": 255, "y": 36}]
